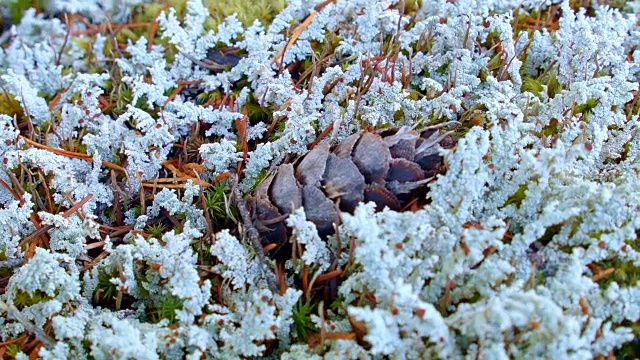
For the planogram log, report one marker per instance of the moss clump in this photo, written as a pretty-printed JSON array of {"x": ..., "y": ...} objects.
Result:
[
  {"x": 10, "y": 106},
  {"x": 248, "y": 10}
]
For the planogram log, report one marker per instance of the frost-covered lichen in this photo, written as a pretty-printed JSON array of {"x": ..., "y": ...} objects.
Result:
[{"x": 127, "y": 128}]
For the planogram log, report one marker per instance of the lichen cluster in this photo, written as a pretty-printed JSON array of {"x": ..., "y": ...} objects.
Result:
[{"x": 133, "y": 135}]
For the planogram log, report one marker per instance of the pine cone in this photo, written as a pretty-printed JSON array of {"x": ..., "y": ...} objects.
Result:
[{"x": 391, "y": 168}]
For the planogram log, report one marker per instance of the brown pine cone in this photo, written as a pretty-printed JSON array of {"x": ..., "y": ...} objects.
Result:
[{"x": 391, "y": 168}]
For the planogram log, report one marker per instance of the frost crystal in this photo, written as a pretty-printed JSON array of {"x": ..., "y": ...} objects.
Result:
[
  {"x": 305, "y": 233},
  {"x": 21, "y": 89},
  {"x": 237, "y": 265},
  {"x": 220, "y": 156},
  {"x": 42, "y": 286}
]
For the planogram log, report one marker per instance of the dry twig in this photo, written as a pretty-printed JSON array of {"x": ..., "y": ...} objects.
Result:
[{"x": 252, "y": 234}]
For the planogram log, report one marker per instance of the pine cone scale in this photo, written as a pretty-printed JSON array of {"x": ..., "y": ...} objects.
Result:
[
  {"x": 342, "y": 180},
  {"x": 319, "y": 209},
  {"x": 372, "y": 157},
  {"x": 312, "y": 166},
  {"x": 285, "y": 190},
  {"x": 391, "y": 168}
]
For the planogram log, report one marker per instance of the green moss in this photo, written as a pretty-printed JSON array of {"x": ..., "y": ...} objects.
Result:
[
  {"x": 248, "y": 11},
  {"x": 410, "y": 6},
  {"x": 217, "y": 201},
  {"x": 136, "y": 210},
  {"x": 4, "y": 272},
  {"x": 531, "y": 85},
  {"x": 85, "y": 44},
  {"x": 13, "y": 350},
  {"x": 105, "y": 291},
  {"x": 125, "y": 34},
  {"x": 121, "y": 96},
  {"x": 205, "y": 97},
  {"x": 166, "y": 309},
  {"x": 625, "y": 274},
  {"x": 517, "y": 197},
  {"x": 18, "y": 7},
  {"x": 23, "y": 299},
  {"x": 109, "y": 295},
  {"x": 257, "y": 113},
  {"x": 279, "y": 129},
  {"x": 156, "y": 231},
  {"x": 261, "y": 176},
  {"x": 494, "y": 64},
  {"x": 337, "y": 305},
  {"x": 586, "y": 109},
  {"x": 550, "y": 232},
  {"x": 553, "y": 86},
  {"x": 301, "y": 317},
  {"x": 630, "y": 350},
  {"x": 10, "y": 106}
]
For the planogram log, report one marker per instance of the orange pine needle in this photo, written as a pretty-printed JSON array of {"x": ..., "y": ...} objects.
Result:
[
  {"x": 153, "y": 28},
  {"x": 55, "y": 100},
  {"x": 174, "y": 94},
  {"x": 294, "y": 37},
  {"x": 602, "y": 274},
  {"x": 72, "y": 154},
  {"x": 33, "y": 355},
  {"x": 77, "y": 206},
  {"x": 193, "y": 168},
  {"x": 305, "y": 279},
  {"x": 102, "y": 28},
  {"x": 223, "y": 176},
  {"x": 282, "y": 284},
  {"x": 584, "y": 307},
  {"x": 66, "y": 214},
  {"x": 322, "y": 135},
  {"x": 269, "y": 247},
  {"x": 241, "y": 124},
  {"x": 328, "y": 276},
  {"x": 62, "y": 152},
  {"x": 173, "y": 183},
  {"x": 341, "y": 336}
]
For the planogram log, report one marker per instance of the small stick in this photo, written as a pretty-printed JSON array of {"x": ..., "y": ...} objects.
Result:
[
  {"x": 153, "y": 28},
  {"x": 13, "y": 313},
  {"x": 205, "y": 64},
  {"x": 207, "y": 218},
  {"x": 94, "y": 245},
  {"x": 602, "y": 274},
  {"x": 252, "y": 233},
  {"x": 10, "y": 264},
  {"x": 322, "y": 135},
  {"x": 328, "y": 276},
  {"x": 96, "y": 260},
  {"x": 66, "y": 214},
  {"x": 296, "y": 33},
  {"x": 323, "y": 331}
]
